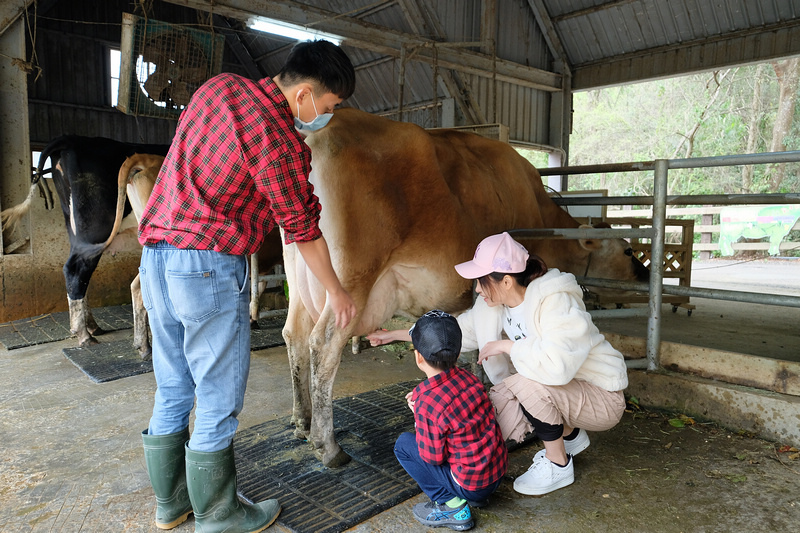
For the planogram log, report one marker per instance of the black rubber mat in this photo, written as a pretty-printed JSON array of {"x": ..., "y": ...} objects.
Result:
[
  {"x": 269, "y": 333},
  {"x": 55, "y": 326},
  {"x": 272, "y": 463},
  {"x": 108, "y": 361}
]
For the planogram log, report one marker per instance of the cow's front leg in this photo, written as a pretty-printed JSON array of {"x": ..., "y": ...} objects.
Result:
[
  {"x": 296, "y": 332},
  {"x": 326, "y": 344},
  {"x": 141, "y": 329},
  {"x": 77, "y": 321}
]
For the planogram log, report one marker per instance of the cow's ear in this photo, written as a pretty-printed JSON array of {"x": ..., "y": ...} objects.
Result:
[{"x": 590, "y": 244}]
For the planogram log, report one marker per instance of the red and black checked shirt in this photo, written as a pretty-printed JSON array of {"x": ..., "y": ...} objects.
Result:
[
  {"x": 455, "y": 423},
  {"x": 235, "y": 168}
]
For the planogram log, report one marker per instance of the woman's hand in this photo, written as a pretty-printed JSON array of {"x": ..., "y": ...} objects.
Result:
[
  {"x": 410, "y": 401},
  {"x": 493, "y": 348},
  {"x": 381, "y": 336}
]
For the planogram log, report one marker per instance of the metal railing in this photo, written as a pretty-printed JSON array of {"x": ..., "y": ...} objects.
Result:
[{"x": 659, "y": 200}]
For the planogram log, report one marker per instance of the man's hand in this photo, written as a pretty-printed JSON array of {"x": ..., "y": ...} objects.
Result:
[
  {"x": 494, "y": 348},
  {"x": 344, "y": 308},
  {"x": 318, "y": 258}
]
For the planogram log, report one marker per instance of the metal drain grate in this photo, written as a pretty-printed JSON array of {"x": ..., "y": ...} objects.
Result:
[{"x": 272, "y": 463}]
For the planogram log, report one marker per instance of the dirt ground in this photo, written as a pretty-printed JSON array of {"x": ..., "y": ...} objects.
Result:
[{"x": 72, "y": 460}]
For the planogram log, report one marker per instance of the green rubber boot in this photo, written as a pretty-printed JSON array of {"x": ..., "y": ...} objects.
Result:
[
  {"x": 166, "y": 466},
  {"x": 211, "y": 479}
]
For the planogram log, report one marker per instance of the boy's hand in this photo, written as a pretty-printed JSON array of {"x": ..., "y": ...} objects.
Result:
[
  {"x": 410, "y": 401},
  {"x": 379, "y": 337}
]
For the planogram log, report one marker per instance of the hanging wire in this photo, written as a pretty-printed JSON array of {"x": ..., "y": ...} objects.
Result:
[{"x": 29, "y": 67}]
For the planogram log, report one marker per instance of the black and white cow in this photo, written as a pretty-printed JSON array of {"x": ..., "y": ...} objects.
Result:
[{"x": 85, "y": 171}]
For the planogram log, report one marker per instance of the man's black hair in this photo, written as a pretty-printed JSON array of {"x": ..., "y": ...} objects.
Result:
[{"x": 324, "y": 63}]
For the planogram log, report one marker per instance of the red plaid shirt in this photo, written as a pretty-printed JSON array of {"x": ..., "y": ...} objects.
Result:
[
  {"x": 455, "y": 423},
  {"x": 235, "y": 168}
]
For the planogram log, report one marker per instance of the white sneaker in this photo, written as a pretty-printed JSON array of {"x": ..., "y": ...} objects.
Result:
[
  {"x": 573, "y": 447},
  {"x": 544, "y": 476}
]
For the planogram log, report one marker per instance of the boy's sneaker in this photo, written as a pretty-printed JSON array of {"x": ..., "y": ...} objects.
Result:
[
  {"x": 573, "y": 447},
  {"x": 544, "y": 476},
  {"x": 434, "y": 514}
]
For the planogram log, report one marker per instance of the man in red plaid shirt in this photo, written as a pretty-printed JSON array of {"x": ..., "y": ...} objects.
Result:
[
  {"x": 458, "y": 455},
  {"x": 237, "y": 166}
]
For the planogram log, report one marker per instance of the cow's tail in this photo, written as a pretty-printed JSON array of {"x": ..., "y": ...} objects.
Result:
[
  {"x": 132, "y": 165},
  {"x": 36, "y": 178},
  {"x": 11, "y": 216}
]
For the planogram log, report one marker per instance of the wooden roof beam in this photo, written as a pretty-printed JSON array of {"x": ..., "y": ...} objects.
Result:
[{"x": 550, "y": 34}]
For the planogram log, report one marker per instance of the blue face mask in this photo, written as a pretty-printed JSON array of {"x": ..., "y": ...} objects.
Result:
[{"x": 320, "y": 121}]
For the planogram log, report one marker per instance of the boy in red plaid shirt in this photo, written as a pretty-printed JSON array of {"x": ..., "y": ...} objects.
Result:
[{"x": 458, "y": 455}]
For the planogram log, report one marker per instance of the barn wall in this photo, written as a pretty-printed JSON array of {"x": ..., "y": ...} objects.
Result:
[{"x": 71, "y": 95}]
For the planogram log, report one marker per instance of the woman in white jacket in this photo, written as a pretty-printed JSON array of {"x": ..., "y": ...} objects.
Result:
[{"x": 553, "y": 371}]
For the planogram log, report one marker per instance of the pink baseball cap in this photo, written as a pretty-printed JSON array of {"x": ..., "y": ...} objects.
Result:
[{"x": 498, "y": 253}]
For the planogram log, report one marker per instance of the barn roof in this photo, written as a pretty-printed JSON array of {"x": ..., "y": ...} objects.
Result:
[
  {"x": 514, "y": 62},
  {"x": 601, "y": 42}
]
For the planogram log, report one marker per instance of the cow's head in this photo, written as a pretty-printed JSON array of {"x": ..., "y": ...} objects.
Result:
[{"x": 612, "y": 259}]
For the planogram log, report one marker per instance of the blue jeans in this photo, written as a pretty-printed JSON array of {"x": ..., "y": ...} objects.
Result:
[
  {"x": 197, "y": 304},
  {"x": 436, "y": 481}
]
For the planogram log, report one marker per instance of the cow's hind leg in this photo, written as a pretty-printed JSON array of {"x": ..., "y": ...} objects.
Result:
[
  {"x": 77, "y": 321},
  {"x": 141, "y": 328},
  {"x": 296, "y": 333},
  {"x": 91, "y": 323},
  {"x": 326, "y": 344},
  {"x": 78, "y": 270}
]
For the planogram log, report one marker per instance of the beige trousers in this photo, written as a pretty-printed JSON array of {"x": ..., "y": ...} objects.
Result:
[{"x": 578, "y": 404}]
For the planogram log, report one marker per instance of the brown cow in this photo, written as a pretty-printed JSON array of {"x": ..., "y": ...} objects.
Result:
[
  {"x": 136, "y": 179},
  {"x": 400, "y": 207}
]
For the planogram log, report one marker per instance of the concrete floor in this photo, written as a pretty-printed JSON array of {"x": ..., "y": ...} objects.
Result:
[
  {"x": 71, "y": 458},
  {"x": 754, "y": 329},
  {"x": 72, "y": 461}
]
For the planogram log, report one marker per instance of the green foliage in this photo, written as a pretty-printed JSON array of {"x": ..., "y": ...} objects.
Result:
[{"x": 654, "y": 120}]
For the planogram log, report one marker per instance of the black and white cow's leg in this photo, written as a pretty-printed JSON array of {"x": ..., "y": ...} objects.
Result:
[
  {"x": 141, "y": 328},
  {"x": 91, "y": 324},
  {"x": 78, "y": 269},
  {"x": 77, "y": 321}
]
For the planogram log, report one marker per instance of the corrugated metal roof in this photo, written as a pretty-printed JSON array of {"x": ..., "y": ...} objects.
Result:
[
  {"x": 509, "y": 61},
  {"x": 603, "y": 42},
  {"x": 626, "y": 37}
]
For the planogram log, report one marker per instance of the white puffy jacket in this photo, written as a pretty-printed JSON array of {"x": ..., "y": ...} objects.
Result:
[{"x": 562, "y": 344}]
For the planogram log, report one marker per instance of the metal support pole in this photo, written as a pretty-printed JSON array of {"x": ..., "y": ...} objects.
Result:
[{"x": 657, "y": 263}]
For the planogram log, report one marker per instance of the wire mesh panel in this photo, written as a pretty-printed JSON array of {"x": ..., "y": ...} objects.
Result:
[{"x": 163, "y": 64}]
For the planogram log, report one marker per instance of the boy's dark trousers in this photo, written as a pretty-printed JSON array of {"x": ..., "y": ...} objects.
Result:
[{"x": 435, "y": 480}]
